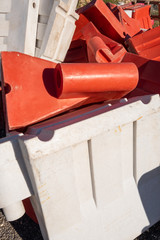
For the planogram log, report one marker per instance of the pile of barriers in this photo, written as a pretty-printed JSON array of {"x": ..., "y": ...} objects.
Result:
[{"x": 79, "y": 118}]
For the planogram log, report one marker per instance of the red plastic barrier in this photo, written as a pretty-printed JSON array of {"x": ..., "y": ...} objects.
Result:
[
  {"x": 80, "y": 79},
  {"x": 103, "y": 18},
  {"x": 142, "y": 14},
  {"x": 111, "y": 6},
  {"x": 149, "y": 76},
  {"x": 77, "y": 52},
  {"x": 80, "y": 23},
  {"x": 31, "y": 90},
  {"x": 99, "y": 52},
  {"x": 101, "y": 48},
  {"x": 146, "y": 44},
  {"x": 130, "y": 25}
]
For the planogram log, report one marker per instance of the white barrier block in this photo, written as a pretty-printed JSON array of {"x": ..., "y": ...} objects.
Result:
[
  {"x": 147, "y": 130},
  {"x": 82, "y": 169},
  {"x": 5, "y": 6},
  {"x": 147, "y": 140},
  {"x": 14, "y": 182},
  {"x": 4, "y": 25},
  {"x": 42, "y": 28},
  {"x": 3, "y": 45},
  {"x": 59, "y": 30},
  {"x": 14, "y": 211},
  {"x": 115, "y": 188},
  {"x": 21, "y": 18}
]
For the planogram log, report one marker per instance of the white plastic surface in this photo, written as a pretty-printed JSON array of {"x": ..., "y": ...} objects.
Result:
[
  {"x": 14, "y": 211},
  {"x": 129, "y": 13},
  {"x": 19, "y": 21},
  {"x": 42, "y": 28},
  {"x": 54, "y": 37},
  {"x": 14, "y": 181},
  {"x": 90, "y": 170}
]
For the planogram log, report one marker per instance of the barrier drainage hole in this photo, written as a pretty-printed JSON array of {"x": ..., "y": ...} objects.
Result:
[{"x": 34, "y": 5}]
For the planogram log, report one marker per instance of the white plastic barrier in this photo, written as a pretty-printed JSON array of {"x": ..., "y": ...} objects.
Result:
[
  {"x": 42, "y": 28},
  {"x": 14, "y": 181},
  {"x": 21, "y": 17},
  {"x": 95, "y": 171},
  {"x": 55, "y": 28}
]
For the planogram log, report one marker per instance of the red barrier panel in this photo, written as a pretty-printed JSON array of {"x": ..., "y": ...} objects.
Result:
[
  {"x": 142, "y": 14},
  {"x": 79, "y": 79},
  {"x": 98, "y": 51},
  {"x": 101, "y": 48},
  {"x": 149, "y": 76},
  {"x": 30, "y": 91},
  {"x": 80, "y": 23},
  {"x": 130, "y": 25},
  {"x": 102, "y": 17},
  {"x": 77, "y": 52},
  {"x": 146, "y": 44}
]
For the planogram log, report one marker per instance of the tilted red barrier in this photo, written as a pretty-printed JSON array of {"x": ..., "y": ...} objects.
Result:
[
  {"x": 31, "y": 88},
  {"x": 105, "y": 21},
  {"x": 149, "y": 76},
  {"x": 146, "y": 44}
]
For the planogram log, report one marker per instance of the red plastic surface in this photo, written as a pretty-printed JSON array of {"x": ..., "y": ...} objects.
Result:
[
  {"x": 130, "y": 25},
  {"x": 94, "y": 47},
  {"x": 86, "y": 79},
  {"x": 103, "y": 18},
  {"x": 77, "y": 52},
  {"x": 31, "y": 90},
  {"x": 149, "y": 76},
  {"x": 30, "y": 95},
  {"x": 98, "y": 51},
  {"x": 80, "y": 23},
  {"x": 142, "y": 14},
  {"x": 146, "y": 44},
  {"x": 101, "y": 48}
]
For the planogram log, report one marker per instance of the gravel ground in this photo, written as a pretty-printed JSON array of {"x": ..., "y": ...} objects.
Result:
[
  {"x": 26, "y": 229},
  {"x": 21, "y": 229}
]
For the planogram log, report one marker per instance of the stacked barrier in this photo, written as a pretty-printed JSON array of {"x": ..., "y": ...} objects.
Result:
[{"x": 80, "y": 138}]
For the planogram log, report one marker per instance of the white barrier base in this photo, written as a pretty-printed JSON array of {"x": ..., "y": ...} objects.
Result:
[{"x": 91, "y": 171}]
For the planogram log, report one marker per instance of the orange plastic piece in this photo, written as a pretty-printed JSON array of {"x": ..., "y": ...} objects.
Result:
[
  {"x": 130, "y": 25},
  {"x": 80, "y": 23},
  {"x": 142, "y": 14},
  {"x": 30, "y": 92},
  {"x": 98, "y": 51},
  {"x": 103, "y": 18},
  {"x": 100, "y": 48},
  {"x": 146, "y": 44},
  {"x": 148, "y": 72},
  {"x": 86, "y": 79},
  {"x": 77, "y": 52},
  {"x": 30, "y": 89}
]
